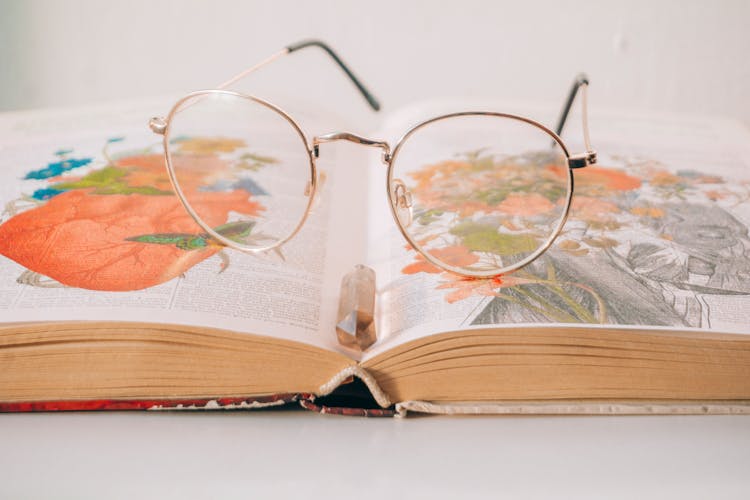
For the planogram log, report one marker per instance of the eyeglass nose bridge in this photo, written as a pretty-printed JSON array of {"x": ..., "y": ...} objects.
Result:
[{"x": 348, "y": 136}]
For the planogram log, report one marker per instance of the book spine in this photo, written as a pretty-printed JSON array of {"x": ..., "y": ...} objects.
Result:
[
  {"x": 219, "y": 403},
  {"x": 310, "y": 404}
]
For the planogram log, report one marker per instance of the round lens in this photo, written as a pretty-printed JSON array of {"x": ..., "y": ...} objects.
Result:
[
  {"x": 241, "y": 167},
  {"x": 480, "y": 194}
]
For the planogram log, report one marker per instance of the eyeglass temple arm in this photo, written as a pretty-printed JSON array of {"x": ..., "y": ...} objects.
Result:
[
  {"x": 371, "y": 100},
  {"x": 581, "y": 83}
]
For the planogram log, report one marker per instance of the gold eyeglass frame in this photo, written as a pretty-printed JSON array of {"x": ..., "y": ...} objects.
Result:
[{"x": 397, "y": 199}]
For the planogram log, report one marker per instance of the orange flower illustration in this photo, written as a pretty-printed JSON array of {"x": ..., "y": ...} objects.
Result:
[
  {"x": 592, "y": 209},
  {"x": 596, "y": 176},
  {"x": 665, "y": 179},
  {"x": 525, "y": 204},
  {"x": 455, "y": 255},
  {"x": 463, "y": 288},
  {"x": 653, "y": 212},
  {"x": 87, "y": 233},
  {"x": 715, "y": 195},
  {"x": 80, "y": 239},
  {"x": 192, "y": 171}
]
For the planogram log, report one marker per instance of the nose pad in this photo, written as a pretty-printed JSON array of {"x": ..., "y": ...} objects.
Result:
[{"x": 403, "y": 202}]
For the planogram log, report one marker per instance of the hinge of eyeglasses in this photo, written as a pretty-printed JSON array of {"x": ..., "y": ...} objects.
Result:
[
  {"x": 158, "y": 125},
  {"x": 582, "y": 160}
]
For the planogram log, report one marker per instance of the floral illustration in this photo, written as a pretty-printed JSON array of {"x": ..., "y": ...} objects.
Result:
[
  {"x": 642, "y": 244},
  {"x": 497, "y": 210},
  {"x": 118, "y": 225}
]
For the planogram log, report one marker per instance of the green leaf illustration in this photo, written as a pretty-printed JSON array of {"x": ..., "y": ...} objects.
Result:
[
  {"x": 480, "y": 237},
  {"x": 109, "y": 180},
  {"x": 237, "y": 231}
]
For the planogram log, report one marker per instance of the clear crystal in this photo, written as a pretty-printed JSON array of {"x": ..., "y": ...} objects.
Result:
[{"x": 356, "y": 325}]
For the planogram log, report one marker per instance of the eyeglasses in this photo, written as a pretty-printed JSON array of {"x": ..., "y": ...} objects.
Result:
[{"x": 476, "y": 193}]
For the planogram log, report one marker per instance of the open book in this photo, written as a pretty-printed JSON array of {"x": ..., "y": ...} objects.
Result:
[{"x": 640, "y": 305}]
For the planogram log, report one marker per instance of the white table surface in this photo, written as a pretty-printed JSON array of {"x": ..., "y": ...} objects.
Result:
[{"x": 297, "y": 454}]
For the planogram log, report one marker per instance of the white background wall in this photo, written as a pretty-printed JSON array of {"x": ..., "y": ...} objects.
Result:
[{"x": 671, "y": 55}]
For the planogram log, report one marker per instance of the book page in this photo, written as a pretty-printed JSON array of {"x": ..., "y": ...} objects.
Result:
[
  {"x": 657, "y": 236},
  {"x": 91, "y": 230}
]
